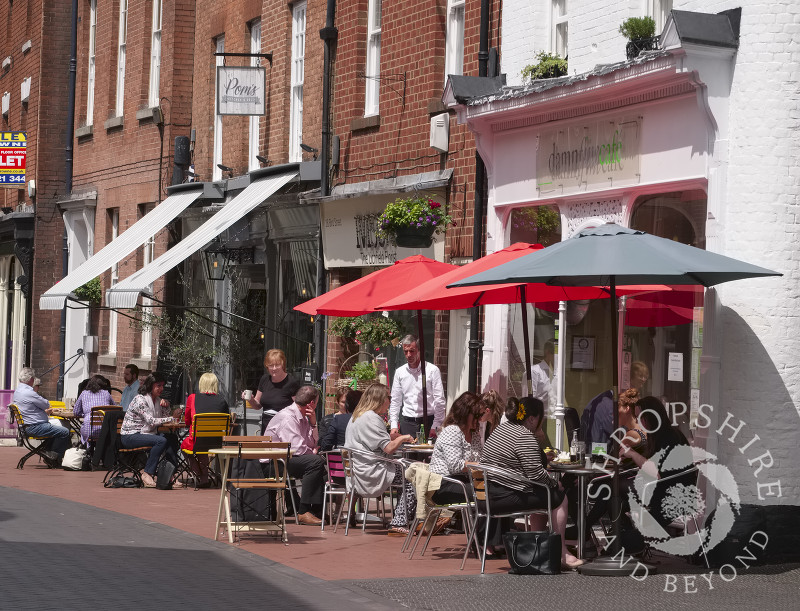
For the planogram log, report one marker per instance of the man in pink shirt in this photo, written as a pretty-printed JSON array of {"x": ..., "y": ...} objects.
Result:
[{"x": 297, "y": 425}]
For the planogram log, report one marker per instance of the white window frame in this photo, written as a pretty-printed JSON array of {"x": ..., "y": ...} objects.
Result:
[
  {"x": 372, "y": 70},
  {"x": 659, "y": 10},
  {"x": 298, "y": 79},
  {"x": 454, "y": 42},
  {"x": 255, "y": 120},
  {"x": 559, "y": 33},
  {"x": 216, "y": 173},
  {"x": 121, "y": 53},
  {"x": 90, "y": 75},
  {"x": 112, "y": 314},
  {"x": 154, "y": 98},
  {"x": 148, "y": 255}
]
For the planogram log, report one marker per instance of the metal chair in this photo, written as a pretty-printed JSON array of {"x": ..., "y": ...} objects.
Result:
[
  {"x": 467, "y": 509},
  {"x": 27, "y": 440},
  {"x": 482, "y": 478},
  {"x": 333, "y": 488},
  {"x": 348, "y": 456}
]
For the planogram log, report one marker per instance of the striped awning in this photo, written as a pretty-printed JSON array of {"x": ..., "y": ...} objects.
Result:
[
  {"x": 126, "y": 293},
  {"x": 115, "y": 251}
]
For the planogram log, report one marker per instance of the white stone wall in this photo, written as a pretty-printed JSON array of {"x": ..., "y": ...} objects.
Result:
[{"x": 754, "y": 187}]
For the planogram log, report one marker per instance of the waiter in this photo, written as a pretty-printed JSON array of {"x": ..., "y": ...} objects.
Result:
[{"x": 405, "y": 410}]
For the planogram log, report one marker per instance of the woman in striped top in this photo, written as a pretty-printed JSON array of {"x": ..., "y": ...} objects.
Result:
[{"x": 513, "y": 446}]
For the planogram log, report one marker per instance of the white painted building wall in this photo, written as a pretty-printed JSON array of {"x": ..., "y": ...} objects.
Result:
[{"x": 753, "y": 178}]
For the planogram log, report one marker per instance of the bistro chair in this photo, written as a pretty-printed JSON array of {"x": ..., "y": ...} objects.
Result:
[
  {"x": 127, "y": 460},
  {"x": 466, "y": 508},
  {"x": 335, "y": 486},
  {"x": 34, "y": 444},
  {"x": 207, "y": 433},
  {"x": 274, "y": 481},
  {"x": 96, "y": 416},
  {"x": 482, "y": 478}
]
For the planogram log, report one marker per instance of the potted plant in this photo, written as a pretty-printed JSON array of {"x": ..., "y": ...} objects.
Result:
[
  {"x": 548, "y": 65},
  {"x": 641, "y": 32},
  {"x": 412, "y": 221},
  {"x": 375, "y": 330}
]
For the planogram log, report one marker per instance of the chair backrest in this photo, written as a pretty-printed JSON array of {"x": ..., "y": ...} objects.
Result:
[
  {"x": 208, "y": 430},
  {"x": 232, "y": 440},
  {"x": 17, "y": 415},
  {"x": 96, "y": 417},
  {"x": 335, "y": 463}
]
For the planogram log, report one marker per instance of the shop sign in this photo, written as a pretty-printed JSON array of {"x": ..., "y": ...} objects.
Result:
[
  {"x": 13, "y": 148},
  {"x": 241, "y": 90},
  {"x": 581, "y": 157}
]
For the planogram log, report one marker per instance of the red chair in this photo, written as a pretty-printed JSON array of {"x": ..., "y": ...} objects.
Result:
[{"x": 335, "y": 486}]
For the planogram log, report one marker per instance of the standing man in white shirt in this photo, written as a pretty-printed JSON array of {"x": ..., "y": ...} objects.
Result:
[
  {"x": 542, "y": 379},
  {"x": 405, "y": 410}
]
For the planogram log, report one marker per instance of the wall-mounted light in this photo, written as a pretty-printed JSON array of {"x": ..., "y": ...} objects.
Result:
[
  {"x": 309, "y": 149},
  {"x": 263, "y": 160},
  {"x": 225, "y": 168},
  {"x": 218, "y": 257}
]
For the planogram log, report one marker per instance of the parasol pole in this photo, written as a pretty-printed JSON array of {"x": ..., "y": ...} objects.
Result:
[
  {"x": 615, "y": 504},
  {"x": 559, "y": 363},
  {"x": 422, "y": 372},
  {"x": 525, "y": 339}
]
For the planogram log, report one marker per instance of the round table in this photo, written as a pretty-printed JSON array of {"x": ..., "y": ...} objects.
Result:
[{"x": 583, "y": 474}]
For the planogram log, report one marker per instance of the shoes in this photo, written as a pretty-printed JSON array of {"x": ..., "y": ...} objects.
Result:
[
  {"x": 398, "y": 531},
  {"x": 148, "y": 480},
  {"x": 309, "y": 519},
  {"x": 571, "y": 565}
]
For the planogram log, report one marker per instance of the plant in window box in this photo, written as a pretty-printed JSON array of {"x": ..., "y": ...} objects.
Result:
[
  {"x": 548, "y": 65},
  {"x": 641, "y": 32},
  {"x": 412, "y": 221},
  {"x": 92, "y": 291}
]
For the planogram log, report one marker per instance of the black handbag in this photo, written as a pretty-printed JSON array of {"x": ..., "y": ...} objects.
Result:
[
  {"x": 533, "y": 553},
  {"x": 165, "y": 474}
]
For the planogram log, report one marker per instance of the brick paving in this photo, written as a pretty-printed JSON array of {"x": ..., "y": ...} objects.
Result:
[{"x": 99, "y": 538}]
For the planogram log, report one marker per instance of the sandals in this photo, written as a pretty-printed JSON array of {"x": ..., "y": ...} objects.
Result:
[
  {"x": 571, "y": 565},
  {"x": 398, "y": 531},
  {"x": 148, "y": 480}
]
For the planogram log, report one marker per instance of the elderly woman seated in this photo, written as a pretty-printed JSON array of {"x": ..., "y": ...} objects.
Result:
[
  {"x": 367, "y": 432},
  {"x": 513, "y": 446}
]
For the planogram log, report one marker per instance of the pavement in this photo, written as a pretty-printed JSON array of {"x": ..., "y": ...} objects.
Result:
[{"x": 67, "y": 542}]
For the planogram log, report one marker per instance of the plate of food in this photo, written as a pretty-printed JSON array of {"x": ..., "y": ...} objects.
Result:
[{"x": 419, "y": 446}]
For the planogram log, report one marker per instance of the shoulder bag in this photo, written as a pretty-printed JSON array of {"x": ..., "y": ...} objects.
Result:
[{"x": 533, "y": 553}]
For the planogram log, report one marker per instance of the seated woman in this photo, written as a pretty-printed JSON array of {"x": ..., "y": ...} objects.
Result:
[
  {"x": 140, "y": 426},
  {"x": 513, "y": 446},
  {"x": 334, "y": 435},
  {"x": 457, "y": 444},
  {"x": 367, "y": 432},
  {"x": 97, "y": 393},
  {"x": 207, "y": 401}
]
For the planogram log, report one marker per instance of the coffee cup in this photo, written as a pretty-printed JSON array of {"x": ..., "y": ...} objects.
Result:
[{"x": 247, "y": 395}]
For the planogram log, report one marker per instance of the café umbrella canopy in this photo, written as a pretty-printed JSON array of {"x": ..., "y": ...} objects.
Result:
[
  {"x": 613, "y": 255},
  {"x": 364, "y": 295}
]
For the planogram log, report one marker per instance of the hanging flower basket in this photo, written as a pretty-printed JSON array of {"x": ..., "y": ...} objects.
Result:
[{"x": 412, "y": 221}]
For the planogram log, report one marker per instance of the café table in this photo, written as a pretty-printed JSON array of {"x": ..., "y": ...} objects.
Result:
[
  {"x": 583, "y": 474},
  {"x": 225, "y": 455},
  {"x": 420, "y": 450},
  {"x": 74, "y": 422}
]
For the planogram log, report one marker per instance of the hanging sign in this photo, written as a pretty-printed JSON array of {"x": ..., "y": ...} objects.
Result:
[
  {"x": 13, "y": 147},
  {"x": 241, "y": 90}
]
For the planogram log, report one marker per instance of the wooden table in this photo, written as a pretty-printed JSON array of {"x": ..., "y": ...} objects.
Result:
[
  {"x": 582, "y": 473},
  {"x": 225, "y": 455},
  {"x": 71, "y": 419}
]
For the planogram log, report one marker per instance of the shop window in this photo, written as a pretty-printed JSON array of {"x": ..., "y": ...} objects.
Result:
[{"x": 535, "y": 225}]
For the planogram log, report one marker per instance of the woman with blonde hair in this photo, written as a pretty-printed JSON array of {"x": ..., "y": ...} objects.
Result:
[
  {"x": 207, "y": 401},
  {"x": 367, "y": 432},
  {"x": 276, "y": 389}
]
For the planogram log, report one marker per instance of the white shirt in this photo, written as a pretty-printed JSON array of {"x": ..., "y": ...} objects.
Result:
[
  {"x": 407, "y": 394},
  {"x": 543, "y": 387}
]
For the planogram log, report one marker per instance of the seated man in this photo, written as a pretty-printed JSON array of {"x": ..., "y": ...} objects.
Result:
[
  {"x": 297, "y": 425},
  {"x": 35, "y": 411}
]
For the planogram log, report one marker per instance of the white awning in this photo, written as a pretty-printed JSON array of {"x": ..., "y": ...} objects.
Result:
[
  {"x": 115, "y": 251},
  {"x": 126, "y": 293}
]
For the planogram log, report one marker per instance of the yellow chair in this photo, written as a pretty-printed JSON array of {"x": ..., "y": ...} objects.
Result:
[
  {"x": 27, "y": 440},
  {"x": 206, "y": 434}
]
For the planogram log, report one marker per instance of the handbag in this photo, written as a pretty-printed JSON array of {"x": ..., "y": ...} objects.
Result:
[
  {"x": 73, "y": 459},
  {"x": 164, "y": 475},
  {"x": 533, "y": 553}
]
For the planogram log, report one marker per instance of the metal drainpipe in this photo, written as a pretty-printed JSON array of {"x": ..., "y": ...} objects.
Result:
[
  {"x": 475, "y": 344},
  {"x": 329, "y": 35},
  {"x": 68, "y": 149}
]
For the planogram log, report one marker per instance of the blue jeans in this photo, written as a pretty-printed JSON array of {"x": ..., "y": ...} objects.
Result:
[
  {"x": 159, "y": 444},
  {"x": 59, "y": 436}
]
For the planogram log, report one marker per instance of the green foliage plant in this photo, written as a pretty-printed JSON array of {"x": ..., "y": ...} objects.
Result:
[
  {"x": 363, "y": 371},
  {"x": 636, "y": 28},
  {"x": 92, "y": 291},
  {"x": 548, "y": 65}
]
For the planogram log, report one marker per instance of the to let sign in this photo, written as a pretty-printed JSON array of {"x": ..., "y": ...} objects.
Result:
[
  {"x": 13, "y": 147},
  {"x": 241, "y": 90}
]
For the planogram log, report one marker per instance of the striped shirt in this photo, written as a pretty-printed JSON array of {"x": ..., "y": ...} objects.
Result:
[{"x": 513, "y": 447}]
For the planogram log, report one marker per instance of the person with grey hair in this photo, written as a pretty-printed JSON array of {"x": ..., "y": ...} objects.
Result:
[
  {"x": 297, "y": 425},
  {"x": 35, "y": 411},
  {"x": 405, "y": 411}
]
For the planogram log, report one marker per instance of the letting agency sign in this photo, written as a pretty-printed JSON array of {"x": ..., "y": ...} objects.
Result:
[{"x": 13, "y": 147}]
